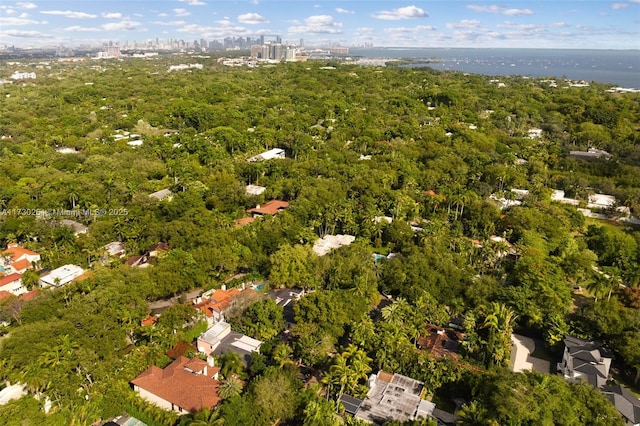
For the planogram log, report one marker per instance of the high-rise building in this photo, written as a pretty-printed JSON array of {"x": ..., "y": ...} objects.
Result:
[
  {"x": 264, "y": 51},
  {"x": 256, "y": 51}
]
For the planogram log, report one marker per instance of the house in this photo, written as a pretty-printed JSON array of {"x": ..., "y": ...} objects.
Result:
[
  {"x": 254, "y": 189},
  {"x": 275, "y": 153},
  {"x": 534, "y": 133},
  {"x": 215, "y": 304},
  {"x": 585, "y": 360},
  {"x": 329, "y": 242},
  {"x": 61, "y": 276},
  {"x": 163, "y": 194},
  {"x": 243, "y": 221},
  {"x": 601, "y": 201},
  {"x": 627, "y": 403},
  {"x": 12, "y": 283},
  {"x": 16, "y": 259},
  {"x": 185, "y": 386},
  {"x": 270, "y": 208},
  {"x": 76, "y": 227},
  {"x": 440, "y": 342},
  {"x": 390, "y": 397},
  {"x": 22, "y": 75},
  {"x": 144, "y": 260},
  {"x": 114, "y": 249},
  {"x": 124, "y": 420},
  {"x": 590, "y": 154},
  {"x": 220, "y": 339}
]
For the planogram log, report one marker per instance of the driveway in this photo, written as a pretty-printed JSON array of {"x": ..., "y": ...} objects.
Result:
[{"x": 521, "y": 358}]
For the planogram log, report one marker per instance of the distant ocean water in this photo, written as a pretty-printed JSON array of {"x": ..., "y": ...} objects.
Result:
[{"x": 618, "y": 67}]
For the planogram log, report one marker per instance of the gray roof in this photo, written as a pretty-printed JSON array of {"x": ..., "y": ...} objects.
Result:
[
  {"x": 397, "y": 399},
  {"x": 351, "y": 404},
  {"x": 626, "y": 403}
]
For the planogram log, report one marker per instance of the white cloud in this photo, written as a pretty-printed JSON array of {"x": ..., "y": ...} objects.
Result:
[
  {"x": 252, "y": 19},
  {"x": 25, "y": 5},
  {"x": 169, "y": 23},
  {"x": 17, "y": 21},
  {"x": 69, "y": 14},
  {"x": 254, "y": 2},
  {"x": 124, "y": 25},
  {"x": 364, "y": 30},
  {"x": 7, "y": 9},
  {"x": 341, "y": 10},
  {"x": 618, "y": 6},
  {"x": 517, "y": 12},
  {"x": 78, "y": 28},
  {"x": 163, "y": 15},
  {"x": 494, "y": 8},
  {"x": 465, "y": 23},
  {"x": 407, "y": 30},
  {"x": 181, "y": 12},
  {"x": 559, "y": 25},
  {"x": 23, "y": 34},
  {"x": 407, "y": 12},
  {"x": 112, "y": 15},
  {"x": 318, "y": 24},
  {"x": 193, "y": 2}
]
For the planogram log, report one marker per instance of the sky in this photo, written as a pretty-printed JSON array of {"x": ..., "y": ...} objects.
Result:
[{"x": 590, "y": 24}]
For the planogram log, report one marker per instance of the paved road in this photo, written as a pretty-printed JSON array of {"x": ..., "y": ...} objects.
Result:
[{"x": 160, "y": 305}]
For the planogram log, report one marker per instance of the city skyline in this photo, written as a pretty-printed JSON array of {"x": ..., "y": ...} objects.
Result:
[{"x": 535, "y": 24}]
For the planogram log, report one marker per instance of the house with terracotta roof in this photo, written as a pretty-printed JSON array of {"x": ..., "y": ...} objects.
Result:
[
  {"x": 184, "y": 386},
  {"x": 215, "y": 304},
  {"x": 16, "y": 259},
  {"x": 12, "y": 283},
  {"x": 270, "y": 208},
  {"x": 243, "y": 221},
  {"x": 440, "y": 342}
]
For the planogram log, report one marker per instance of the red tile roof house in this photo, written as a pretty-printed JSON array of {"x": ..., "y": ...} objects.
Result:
[
  {"x": 13, "y": 284},
  {"x": 16, "y": 259},
  {"x": 185, "y": 386},
  {"x": 269, "y": 208},
  {"x": 214, "y": 306}
]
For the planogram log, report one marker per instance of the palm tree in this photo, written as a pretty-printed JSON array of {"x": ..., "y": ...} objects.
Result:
[
  {"x": 231, "y": 364},
  {"x": 230, "y": 387},
  {"x": 499, "y": 323},
  {"x": 396, "y": 312},
  {"x": 207, "y": 417},
  {"x": 73, "y": 199},
  {"x": 473, "y": 414},
  {"x": 598, "y": 286}
]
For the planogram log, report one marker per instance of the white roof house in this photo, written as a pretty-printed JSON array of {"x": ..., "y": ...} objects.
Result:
[
  {"x": 255, "y": 189},
  {"x": 601, "y": 201},
  {"x": 163, "y": 194},
  {"x": 61, "y": 276},
  {"x": 330, "y": 242},
  {"x": 22, "y": 75},
  {"x": 269, "y": 155},
  {"x": 220, "y": 339}
]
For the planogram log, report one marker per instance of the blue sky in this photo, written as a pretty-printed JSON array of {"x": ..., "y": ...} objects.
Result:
[{"x": 595, "y": 24}]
